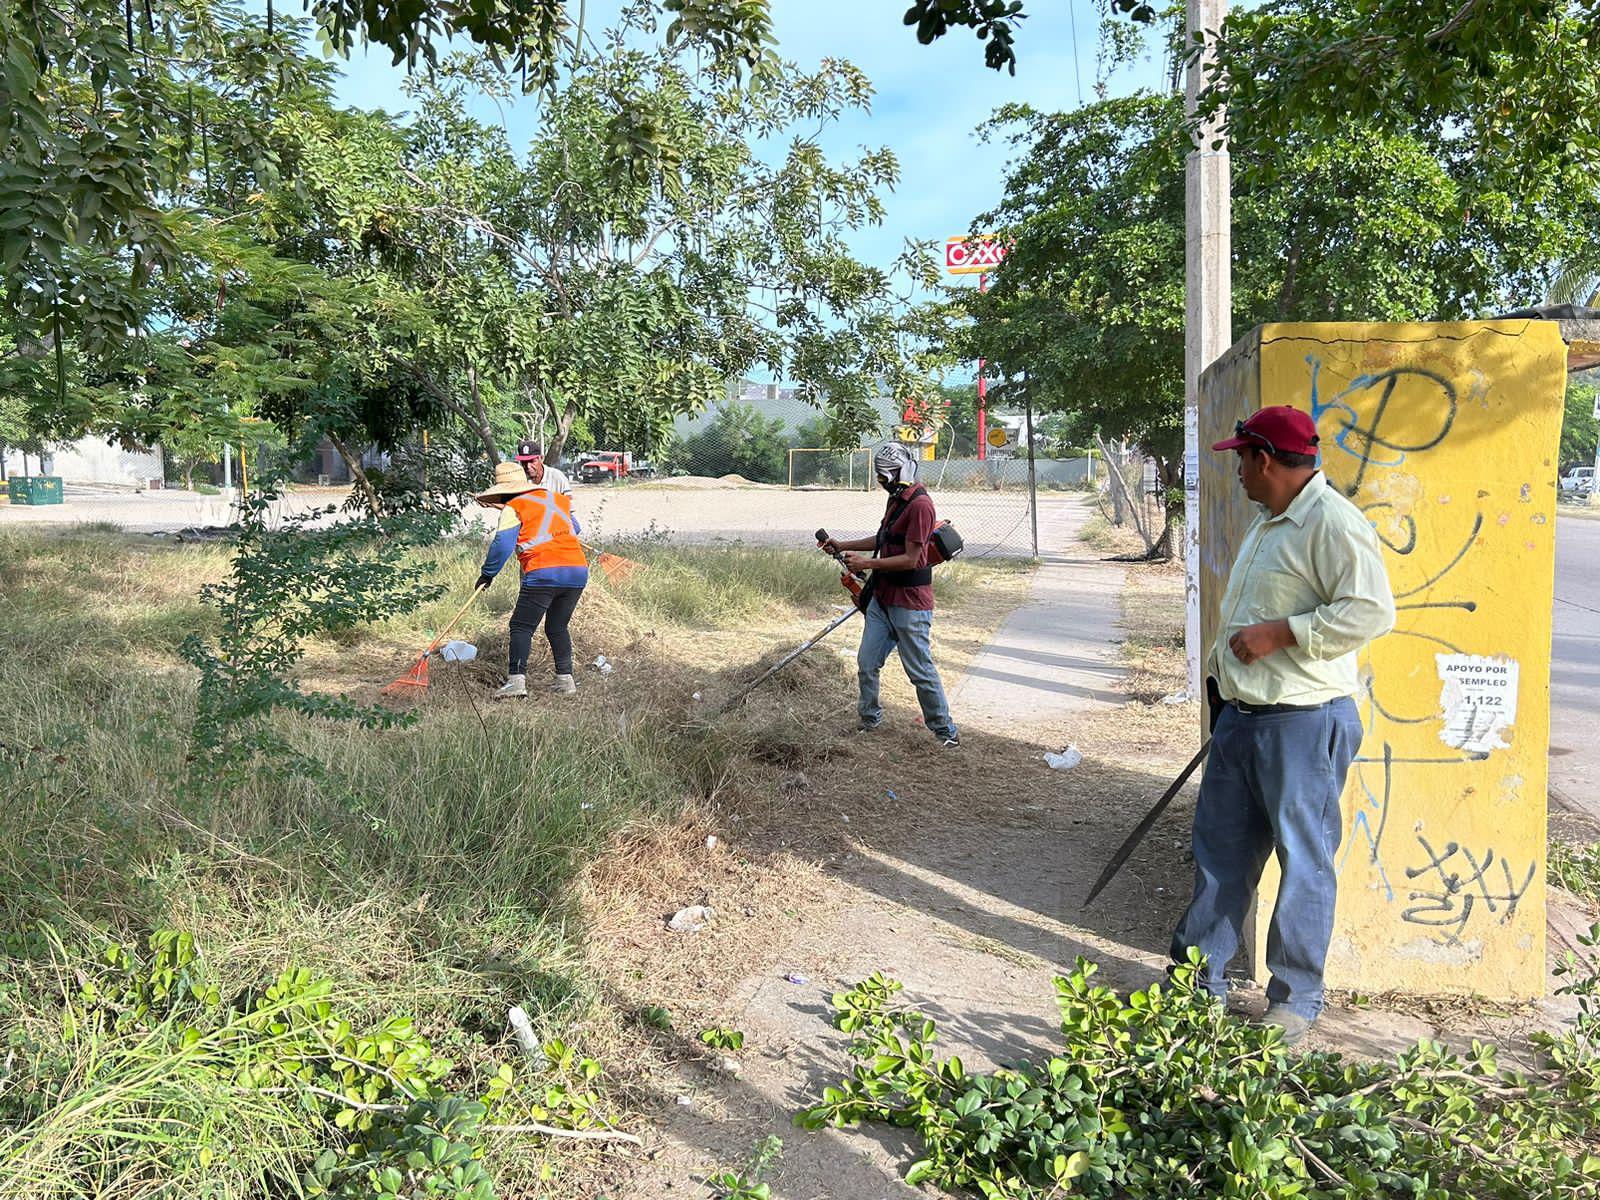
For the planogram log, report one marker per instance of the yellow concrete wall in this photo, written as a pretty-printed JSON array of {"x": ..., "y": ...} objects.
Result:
[{"x": 1446, "y": 436}]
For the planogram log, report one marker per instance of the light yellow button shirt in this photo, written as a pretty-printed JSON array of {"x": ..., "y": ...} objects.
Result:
[{"x": 1319, "y": 565}]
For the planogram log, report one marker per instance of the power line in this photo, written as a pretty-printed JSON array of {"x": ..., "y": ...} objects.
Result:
[{"x": 1077, "y": 69}]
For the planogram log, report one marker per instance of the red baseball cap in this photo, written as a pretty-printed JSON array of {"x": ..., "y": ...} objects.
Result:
[{"x": 1277, "y": 429}]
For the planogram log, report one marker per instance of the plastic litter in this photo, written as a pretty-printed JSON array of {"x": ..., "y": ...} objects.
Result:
[
  {"x": 456, "y": 651},
  {"x": 1066, "y": 760},
  {"x": 1177, "y": 697},
  {"x": 796, "y": 979},
  {"x": 692, "y": 919},
  {"x": 603, "y": 664},
  {"x": 522, "y": 1030}
]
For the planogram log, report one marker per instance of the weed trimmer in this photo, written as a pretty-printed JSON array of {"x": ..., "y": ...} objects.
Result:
[
  {"x": 417, "y": 677},
  {"x": 860, "y": 594}
]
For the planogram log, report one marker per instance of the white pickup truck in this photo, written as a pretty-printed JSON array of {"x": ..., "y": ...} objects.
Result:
[{"x": 1578, "y": 481}]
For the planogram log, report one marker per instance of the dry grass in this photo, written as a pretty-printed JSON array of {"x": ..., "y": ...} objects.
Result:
[{"x": 485, "y": 856}]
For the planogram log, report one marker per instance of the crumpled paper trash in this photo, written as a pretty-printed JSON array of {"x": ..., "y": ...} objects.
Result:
[{"x": 692, "y": 919}]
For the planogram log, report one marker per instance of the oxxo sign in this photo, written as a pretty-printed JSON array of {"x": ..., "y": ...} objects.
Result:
[{"x": 972, "y": 256}]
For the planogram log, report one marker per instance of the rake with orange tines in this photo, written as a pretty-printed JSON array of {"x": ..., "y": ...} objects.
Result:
[
  {"x": 416, "y": 679},
  {"x": 615, "y": 566}
]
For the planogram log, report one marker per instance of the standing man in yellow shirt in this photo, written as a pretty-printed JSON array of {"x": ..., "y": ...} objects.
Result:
[{"x": 1306, "y": 593}]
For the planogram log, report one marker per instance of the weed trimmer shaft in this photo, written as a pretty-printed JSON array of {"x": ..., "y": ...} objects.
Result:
[{"x": 853, "y": 584}]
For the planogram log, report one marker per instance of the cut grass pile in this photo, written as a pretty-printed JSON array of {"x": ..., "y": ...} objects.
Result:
[{"x": 416, "y": 890}]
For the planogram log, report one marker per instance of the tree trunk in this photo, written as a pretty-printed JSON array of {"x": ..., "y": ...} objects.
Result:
[
  {"x": 1168, "y": 473},
  {"x": 477, "y": 423},
  {"x": 1119, "y": 485},
  {"x": 374, "y": 506},
  {"x": 188, "y": 477},
  {"x": 484, "y": 431},
  {"x": 558, "y": 444}
]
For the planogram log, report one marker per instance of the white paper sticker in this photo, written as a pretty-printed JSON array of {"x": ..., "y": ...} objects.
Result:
[{"x": 1479, "y": 700}]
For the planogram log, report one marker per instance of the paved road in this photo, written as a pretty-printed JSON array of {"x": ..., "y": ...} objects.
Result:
[{"x": 1575, "y": 669}]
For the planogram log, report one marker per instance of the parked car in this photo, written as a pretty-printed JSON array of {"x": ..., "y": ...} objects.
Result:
[
  {"x": 606, "y": 467},
  {"x": 643, "y": 470},
  {"x": 1578, "y": 480}
]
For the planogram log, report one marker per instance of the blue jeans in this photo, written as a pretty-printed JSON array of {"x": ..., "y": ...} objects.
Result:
[
  {"x": 1272, "y": 783},
  {"x": 908, "y": 630}
]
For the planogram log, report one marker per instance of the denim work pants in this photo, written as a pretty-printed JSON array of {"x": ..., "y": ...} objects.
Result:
[
  {"x": 910, "y": 631},
  {"x": 1272, "y": 783}
]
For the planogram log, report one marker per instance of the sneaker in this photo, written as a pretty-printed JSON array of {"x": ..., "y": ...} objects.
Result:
[
  {"x": 953, "y": 742},
  {"x": 516, "y": 686},
  {"x": 1292, "y": 1025},
  {"x": 564, "y": 685},
  {"x": 869, "y": 726}
]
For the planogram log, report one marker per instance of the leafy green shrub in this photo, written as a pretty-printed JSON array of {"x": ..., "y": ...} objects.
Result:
[
  {"x": 142, "y": 1074},
  {"x": 1577, "y": 868},
  {"x": 286, "y": 586},
  {"x": 1164, "y": 1094}
]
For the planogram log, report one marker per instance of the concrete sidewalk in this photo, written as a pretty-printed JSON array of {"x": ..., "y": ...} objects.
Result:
[{"x": 1057, "y": 654}]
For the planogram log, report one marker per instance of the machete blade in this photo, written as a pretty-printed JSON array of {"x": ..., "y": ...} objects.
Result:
[{"x": 1137, "y": 836}]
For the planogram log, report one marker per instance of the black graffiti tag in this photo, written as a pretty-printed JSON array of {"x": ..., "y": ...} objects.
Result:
[
  {"x": 1369, "y": 442},
  {"x": 1462, "y": 883}
]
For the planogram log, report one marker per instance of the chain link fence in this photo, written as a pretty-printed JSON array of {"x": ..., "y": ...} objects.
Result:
[{"x": 756, "y": 468}]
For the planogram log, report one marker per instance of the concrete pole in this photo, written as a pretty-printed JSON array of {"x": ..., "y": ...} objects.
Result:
[
  {"x": 983, "y": 392},
  {"x": 1208, "y": 323}
]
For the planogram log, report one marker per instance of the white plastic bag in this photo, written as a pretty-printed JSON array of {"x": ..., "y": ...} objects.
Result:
[
  {"x": 1066, "y": 760},
  {"x": 458, "y": 652}
]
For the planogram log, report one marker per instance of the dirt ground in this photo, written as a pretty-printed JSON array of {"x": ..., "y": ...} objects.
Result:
[
  {"x": 961, "y": 874},
  {"x": 690, "y": 510}
]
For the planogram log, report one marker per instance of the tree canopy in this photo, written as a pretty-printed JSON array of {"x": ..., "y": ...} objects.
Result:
[
  {"x": 335, "y": 273},
  {"x": 1369, "y": 221}
]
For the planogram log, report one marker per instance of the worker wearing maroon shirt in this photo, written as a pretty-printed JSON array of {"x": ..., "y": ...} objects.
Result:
[{"x": 900, "y": 613}]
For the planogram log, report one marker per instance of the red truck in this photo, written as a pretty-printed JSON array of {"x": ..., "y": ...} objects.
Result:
[{"x": 609, "y": 465}]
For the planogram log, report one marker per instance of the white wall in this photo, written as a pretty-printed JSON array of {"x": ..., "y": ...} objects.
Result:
[{"x": 91, "y": 460}]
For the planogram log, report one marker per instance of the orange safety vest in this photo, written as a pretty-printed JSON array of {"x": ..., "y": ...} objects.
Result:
[{"x": 546, "y": 537}]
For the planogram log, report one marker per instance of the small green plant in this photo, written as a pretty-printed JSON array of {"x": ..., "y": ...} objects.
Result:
[
  {"x": 722, "y": 1039},
  {"x": 1164, "y": 1094},
  {"x": 1577, "y": 869},
  {"x": 279, "y": 1083},
  {"x": 746, "y": 1183},
  {"x": 656, "y": 1017}
]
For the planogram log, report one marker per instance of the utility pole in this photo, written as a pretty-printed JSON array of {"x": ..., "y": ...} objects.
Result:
[
  {"x": 1208, "y": 319},
  {"x": 983, "y": 393}
]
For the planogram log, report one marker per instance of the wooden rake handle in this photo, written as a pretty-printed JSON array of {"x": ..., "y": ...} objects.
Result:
[{"x": 445, "y": 632}]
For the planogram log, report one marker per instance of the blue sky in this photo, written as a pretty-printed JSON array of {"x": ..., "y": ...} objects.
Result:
[{"x": 929, "y": 98}]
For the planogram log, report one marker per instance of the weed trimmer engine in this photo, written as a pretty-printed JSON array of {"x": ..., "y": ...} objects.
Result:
[{"x": 853, "y": 583}]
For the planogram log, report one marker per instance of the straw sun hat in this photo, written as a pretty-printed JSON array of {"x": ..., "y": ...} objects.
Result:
[{"x": 509, "y": 480}]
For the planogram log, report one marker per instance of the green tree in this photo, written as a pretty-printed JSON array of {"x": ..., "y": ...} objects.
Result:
[
  {"x": 958, "y": 438},
  {"x": 1086, "y": 317},
  {"x": 1508, "y": 78},
  {"x": 613, "y": 293},
  {"x": 737, "y": 440},
  {"x": 108, "y": 110},
  {"x": 1580, "y": 432}
]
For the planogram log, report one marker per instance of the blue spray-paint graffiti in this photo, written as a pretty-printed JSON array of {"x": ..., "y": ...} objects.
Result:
[{"x": 1366, "y": 442}]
